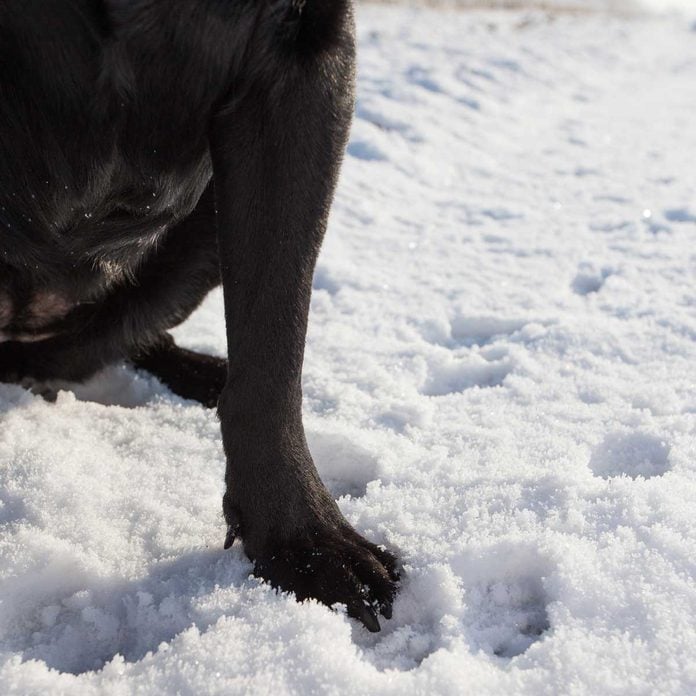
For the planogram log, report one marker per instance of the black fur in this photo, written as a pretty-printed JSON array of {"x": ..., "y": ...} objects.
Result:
[{"x": 149, "y": 150}]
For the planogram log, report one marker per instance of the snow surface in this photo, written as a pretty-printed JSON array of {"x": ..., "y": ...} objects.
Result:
[{"x": 500, "y": 385}]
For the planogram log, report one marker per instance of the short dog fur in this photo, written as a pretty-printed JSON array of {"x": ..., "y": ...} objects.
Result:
[{"x": 150, "y": 150}]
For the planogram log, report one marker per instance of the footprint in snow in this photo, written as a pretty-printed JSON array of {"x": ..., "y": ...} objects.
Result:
[
  {"x": 467, "y": 331},
  {"x": 423, "y": 78},
  {"x": 324, "y": 280},
  {"x": 386, "y": 122},
  {"x": 365, "y": 150},
  {"x": 589, "y": 278},
  {"x": 450, "y": 375},
  {"x": 506, "y": 599},
  {"x": 422, "y": 624},
  {"x": 679, "y": 215},
  {"x": 637, "y": 455},
  {"x": 487, "y": 365}
]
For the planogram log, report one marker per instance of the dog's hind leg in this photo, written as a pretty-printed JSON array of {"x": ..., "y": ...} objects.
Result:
[{"x": 188, "y": 374}]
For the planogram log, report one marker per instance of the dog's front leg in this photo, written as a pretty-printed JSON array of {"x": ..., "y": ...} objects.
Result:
[{"x": 275, "y": 155}]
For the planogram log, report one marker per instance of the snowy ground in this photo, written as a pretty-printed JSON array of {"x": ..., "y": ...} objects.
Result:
[{"x": 500, "y": 384}]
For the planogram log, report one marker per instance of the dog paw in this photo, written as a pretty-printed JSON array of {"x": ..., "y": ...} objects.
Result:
[
  {"x": 47, "y": 392},
  {"x": 335, "y": 567}
]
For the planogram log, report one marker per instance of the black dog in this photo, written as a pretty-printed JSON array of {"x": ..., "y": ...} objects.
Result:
[{"x": 149, "y": 150}]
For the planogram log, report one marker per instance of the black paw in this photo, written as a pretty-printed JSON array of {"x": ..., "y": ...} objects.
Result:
[
  {"x": 335, "y": 567},
  {"x": 189, "y": 374},
  {"x": 41, "y": 389}
]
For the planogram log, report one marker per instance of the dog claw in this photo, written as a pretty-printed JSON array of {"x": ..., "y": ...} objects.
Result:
[
  {"x": 233, "y": 521},
  {"x": 232, "y": 531},
  {"x": 386, "y": 611},
  {"x": 365, "y": 615}
]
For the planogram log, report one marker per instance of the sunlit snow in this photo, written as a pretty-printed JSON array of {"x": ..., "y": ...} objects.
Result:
[{"x": 500, "y": 385}]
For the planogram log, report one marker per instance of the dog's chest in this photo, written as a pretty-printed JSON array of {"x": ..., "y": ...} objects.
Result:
[
  {"x": 67, "y": 250},
  {"x": 32, "y": 318},
  {"x": 92, "y": 181}
]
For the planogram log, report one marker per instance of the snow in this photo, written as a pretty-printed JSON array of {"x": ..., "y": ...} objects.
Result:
[{"x": 499, "y": 385}]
